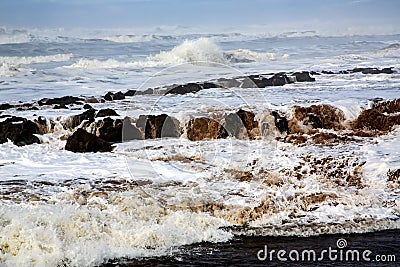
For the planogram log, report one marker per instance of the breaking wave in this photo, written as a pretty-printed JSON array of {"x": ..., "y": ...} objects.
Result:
[{"x": 36, "y": 59}]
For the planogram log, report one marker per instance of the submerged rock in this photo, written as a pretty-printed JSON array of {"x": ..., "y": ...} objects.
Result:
[
  {"x": 159, "y": 126},
  {"x": 205, "y": 128},
  {"x": 19, "y": 130},
  {"x": 82, "y": 141},
  {"x": 373, "y": 70},
  {"x": 303, "y": 76}
]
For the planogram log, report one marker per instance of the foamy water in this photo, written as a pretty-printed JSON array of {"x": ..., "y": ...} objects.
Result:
[{"x": 148, "y": 198}]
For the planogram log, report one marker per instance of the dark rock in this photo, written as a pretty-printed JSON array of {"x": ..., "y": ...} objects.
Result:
[
  {"x": 76, "y": 120},
  {"x": 373, "y": 70},
  {"x": 82, "y": 141},
  {"x": 87, "y": 106},
  {"x": 62, "y": 106},
  {"x": 185, "y": 89},
  {"x": 205, "y": 128},
  {"x": 281, "y": 122},
  {"x": 388, "y": 106},
  {"x": 19, "y": 130},
  {"x": 327, "y": 72},
  {"x": 117, "y": 130},
  {"x": 106, "y": 112},
  {"x": 130, "y": 93},
  {"x": 228, "y": 83},
  {"x": 6, "y": 106},
  {"x": 42, "y": 124},
  {"x": 159, "y": 126},
  {"x": 394, "y": 176},
  {"x": 372, "y": 119},
  {"x": 303, "y": 76},
  {"x": 92, "y": 100},
  {"x": 114, "y": 96},
  {"x": 209, "y": 85},
  {"x": 65, "y": 100}
]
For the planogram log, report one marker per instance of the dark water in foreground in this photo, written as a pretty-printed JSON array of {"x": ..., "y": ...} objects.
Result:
[{"x": 242, "y": 251}]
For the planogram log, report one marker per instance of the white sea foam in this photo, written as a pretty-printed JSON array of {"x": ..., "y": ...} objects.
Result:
[{"x": 14, "y": 36}]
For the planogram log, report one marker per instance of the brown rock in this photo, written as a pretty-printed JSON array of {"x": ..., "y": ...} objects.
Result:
[
  {"x": 76, "y": 120},
  {"x": 242, "y": 125},
  {"x": 388, "y": 106},
  {"x": 205, "y": 128},
  {"x": 159, "y": 126},
  {"x": 372, "y": 119}
]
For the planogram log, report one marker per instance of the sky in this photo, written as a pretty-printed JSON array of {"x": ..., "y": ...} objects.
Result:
[{"x": 324, "y": 16}]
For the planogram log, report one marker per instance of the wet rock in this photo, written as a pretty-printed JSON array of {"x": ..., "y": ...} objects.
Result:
[
  {"x": 82, "y": 141},
  {"x": 373, "y": 70},
  {"x": 228, "y": 83},
  {"x": 205, "y": 128},
  {"x": 106, "y": 112},
  {"x": 76, "y": 120},
  {"x": 159, "y": 126},
  {"x": 92, "y": 100},
  {"x": 388, "y": 106},
  {"x": 242, "y": 125},
  {"x": 19, "y": 130},
  {"x": 303, "y": 76},
  {"x": 278, "y": 79},
  {"x": 130, "y": 93},
  {"x": 117, "y": 130},
  {"x": 87, "y": 106},
  {"x": 148, "y": 91},
  {"x": 43, "y": 125},
  {"x": 114, "y": 96},
  {"x": 372, "y": 119},
  {"x": 281, "y": 122},
  {"x": 185, "y": 89},
  {"x": 5, "y": 106},
  {"x": 260, "y": 81},
  {"x": 65, "y": 100},
  {"x": 323, "y": 138},
  {"x": 314, "y": 117},
  {"x": 394, "y": 176},
  {"x": 327, "y": 72},
  {"x": 209, "y": 85}
]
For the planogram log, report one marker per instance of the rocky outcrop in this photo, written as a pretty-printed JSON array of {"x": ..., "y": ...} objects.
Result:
[
  {"x": 373, "y": 119},
  {"x": 316, "y": 116},
  {"x": 130, "y": 93},
  {"x": 106, "y": 112},
  {"x": 76, "y": 120},
  {"x": 281, "y": 123},
  {"x": 19, "y": 130},
  {"x": 373, "y": 70},
  {"x": 387, "y": 106},
  {"x": 159, "y": 126},
  {"x": 65, "y": 100},
  {"x": 185, "y": 89},
  {"x": 114, "y": 96},
  {"x": 205, "y": 128},
  {"x": 5, "y": 106},
  {"x": 242, "y": 125},
  {"x": 82, "y": 141},
  {"x": 303, "y": 76},
  {"x": 117, "y": 130}
]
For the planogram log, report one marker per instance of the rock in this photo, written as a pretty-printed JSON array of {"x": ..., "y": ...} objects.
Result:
[
  {"x": 314, "y": 117},
  {"x": 185, "y": 89},
  {"x": 281, "y": 122},
  {"x": 76, "y": 120},
  {"x": 82, "y": 141},
  {"x": 209, "y": 85},
  {"x": 43, "y": 125},
  {"x": 114, "y": 96},
  {"x": 106, "y": 112},
  {"x": 117, "y": 130},
  {"x": 159, "y": 126},
  {"x": 87, "y": 106},
  {"x": 327, "y": 72},
  {"x": 205, "y": 128},
  {"x": 278, "y": 79},
  {"x": 323, "y": 138},
  {"x": 6, "y": 106},
  {"x": 388, "y": 106},
  {"x": 228, "y": 83},
  {"x": 242, "y": 125},
  {"x": 373, "y": 70},
  {"x": 65, "y": 100},
  {"x": 62, "y": 106},
  {"x": 372, "y": 119},
  {"x": 303, "y": 76},
  {"x": 130, "y": 93},
  {"x": 92, "y": 100},
  {"x": 394, "y": 176},
  {"x": 19, "y": 130}
]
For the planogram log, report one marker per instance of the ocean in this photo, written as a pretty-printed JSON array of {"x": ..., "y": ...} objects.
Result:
[{"x": 176, "y": 200}]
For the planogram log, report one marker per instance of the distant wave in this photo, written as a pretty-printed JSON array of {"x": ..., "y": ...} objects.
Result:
[
  {"x": 189, "y": 51},
  {"x": 14, "y": 36},
  {"x": 36, "y": 59}
]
